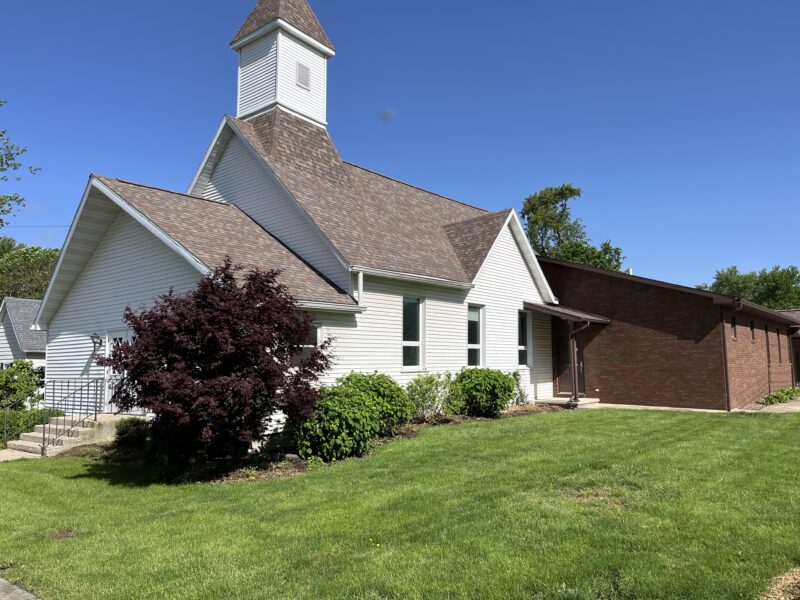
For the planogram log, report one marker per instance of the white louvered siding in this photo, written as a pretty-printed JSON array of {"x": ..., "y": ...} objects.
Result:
[
  {"x": 503, "y": 285},
  {"x": 308, "y": 102},
  {"x": 9, "y": 347},
  {"x": 372, "y": 341},
  {"x": 130, "y": 267},
  {"x": 242, "y": 180},
  {"x": 258, "y": 74}
]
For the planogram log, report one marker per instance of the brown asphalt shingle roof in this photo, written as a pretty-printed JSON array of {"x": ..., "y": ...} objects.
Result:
[
  {"x": 373, "y": 221},
  {"x": 296, "y": 13},
  {"x": 472, "y": 239},
  {"x": 794, "y": 314},
  {"x": 211, "y": 230}
]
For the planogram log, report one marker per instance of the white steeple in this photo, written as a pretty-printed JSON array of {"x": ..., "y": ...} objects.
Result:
[{"x": 283, "y": 60}]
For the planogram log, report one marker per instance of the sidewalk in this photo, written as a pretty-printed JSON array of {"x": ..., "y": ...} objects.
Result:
[
  {"x": 8, "y": 455},
  {"x": 12, "y": 592}
]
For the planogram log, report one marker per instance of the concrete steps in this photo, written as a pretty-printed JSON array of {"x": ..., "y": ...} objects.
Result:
[
  {"x": 582, "y": 403},
  {"x": 67, "y": 432}
]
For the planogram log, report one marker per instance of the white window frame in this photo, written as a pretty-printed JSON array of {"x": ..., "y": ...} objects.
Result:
[
  {"x": 528, "y": 339},
  {"x": 124, "y": 335},
  {"x": 480, "y": 347},
  {"x": 419, "y": 344}
]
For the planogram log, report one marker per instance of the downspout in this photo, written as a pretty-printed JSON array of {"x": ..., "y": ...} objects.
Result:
[
  {"x": 573, "y": 349},
  {"x": 360, "y": 284}
]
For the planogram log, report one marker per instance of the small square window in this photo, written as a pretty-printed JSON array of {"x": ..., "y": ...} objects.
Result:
[
  {"x": 410, "y": 356},
  {"x": 474, "y": 357},
  {"x": 303, "y": 76}
]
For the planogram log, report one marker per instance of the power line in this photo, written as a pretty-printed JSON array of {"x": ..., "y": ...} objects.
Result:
[{"x": 34, "y": 226}]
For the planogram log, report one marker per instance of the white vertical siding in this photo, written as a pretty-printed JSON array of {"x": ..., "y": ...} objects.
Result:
[
  {"x": 130, "y": 267},
  {"x": 9, "y": 347},
  {"x": 372, "y": 341},
  {"x": 310, "y": 103},
  {"x": 258, "y": 74},
  {"x": 241, "y": 179}
]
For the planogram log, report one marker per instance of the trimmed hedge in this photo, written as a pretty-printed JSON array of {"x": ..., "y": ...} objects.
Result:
[
  {"x": 352, "y": 414},
  {"x": 16, "y": 422},
  {"x": 483, "y": 392},
  {"x": 781, "y": 396}
]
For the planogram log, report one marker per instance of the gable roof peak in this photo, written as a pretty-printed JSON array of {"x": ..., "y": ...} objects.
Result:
[{"x": 297, "y": 13}]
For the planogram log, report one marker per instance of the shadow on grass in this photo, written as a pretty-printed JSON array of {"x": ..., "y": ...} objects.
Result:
[{"x": 132, "y": 475}]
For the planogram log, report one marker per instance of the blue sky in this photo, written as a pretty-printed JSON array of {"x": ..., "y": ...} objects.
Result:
[{"x": 680, "y": 120}]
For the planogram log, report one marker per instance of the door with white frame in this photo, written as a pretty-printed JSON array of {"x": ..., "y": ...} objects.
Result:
[{"x": 113, "y": 339}]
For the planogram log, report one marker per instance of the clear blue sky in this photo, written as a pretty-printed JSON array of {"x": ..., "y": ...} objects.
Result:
[{"x": 680, "y": 119}]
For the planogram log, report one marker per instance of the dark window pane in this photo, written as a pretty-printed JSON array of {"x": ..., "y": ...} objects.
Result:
[
  {"x": 474, "y": 357},
  {"x": 311, "y": 337},
  {"x": 410, "y": 319},
  {"x": 410, "y": 356},
  {"x": 474, "y": 326},
  {"x": 523, "y": 329},
  {"x": 523, "y": 357}
]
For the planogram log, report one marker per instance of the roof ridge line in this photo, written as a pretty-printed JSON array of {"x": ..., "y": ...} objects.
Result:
[
  {"x": 496, "y": 213},
  {"x": 416, "y": 187},
  {"x": 160, "y": 189}
]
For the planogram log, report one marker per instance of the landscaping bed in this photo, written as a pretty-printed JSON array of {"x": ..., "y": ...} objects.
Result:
[{"x": 568, "y": 504}]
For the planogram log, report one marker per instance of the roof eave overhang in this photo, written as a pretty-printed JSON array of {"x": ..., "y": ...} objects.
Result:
[
  {"x": 239, "y": 43},
  {"x": 566, "y": 314},
  {"x": 412, "y": 277},
  {"x": 95, "y": 184},
  {"x": 330, "y": 307}
]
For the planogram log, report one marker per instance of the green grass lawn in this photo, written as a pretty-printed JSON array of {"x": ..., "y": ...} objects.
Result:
[{"x": 584, "y": 504}]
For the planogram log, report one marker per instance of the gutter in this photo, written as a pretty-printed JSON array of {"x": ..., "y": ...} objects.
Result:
[{"x": 411, "y": 277}]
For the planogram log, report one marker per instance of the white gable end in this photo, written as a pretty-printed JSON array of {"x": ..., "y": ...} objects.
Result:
[
  {"x": 242, "y": 179},
  {"x": 129, "y": 268},
  {"x": 502, "y": 286}
]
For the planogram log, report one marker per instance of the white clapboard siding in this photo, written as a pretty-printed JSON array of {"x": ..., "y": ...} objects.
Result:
[
  {"x": 241, "y": 179},
  {"x": 308, "y": 102},
  {"x": 372, "y": 341},
  {"x": 9, "y": 347},
  {"x": 258, "y": 74},
  {"x": 503, "y": 285},
  {"x": 130, "y": 268}
]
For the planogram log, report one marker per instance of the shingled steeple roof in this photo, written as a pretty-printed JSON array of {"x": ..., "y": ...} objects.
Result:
[{"x": 296, "y": 13}]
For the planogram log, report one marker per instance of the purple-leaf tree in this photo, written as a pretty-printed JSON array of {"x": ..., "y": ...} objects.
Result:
[{"x": 214, "y": 364}]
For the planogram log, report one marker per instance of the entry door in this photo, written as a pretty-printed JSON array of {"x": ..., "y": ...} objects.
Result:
[
  {"x": 563, "y": 366},
  {"x": 113, "y": 339},
  {"x": 797, "y": 367}
]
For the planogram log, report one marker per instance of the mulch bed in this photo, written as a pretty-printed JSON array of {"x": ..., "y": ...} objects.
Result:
[{"x": 784, "y": 587}]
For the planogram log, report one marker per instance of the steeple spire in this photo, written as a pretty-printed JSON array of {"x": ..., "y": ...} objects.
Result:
[{"x": 296, "y": 13}]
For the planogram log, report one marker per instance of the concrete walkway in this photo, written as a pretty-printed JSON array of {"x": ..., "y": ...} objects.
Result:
[
  {"x": 788, "y": 407},
  {"x": 12, "y": 592},
  {"x": 8, "y": 455}
]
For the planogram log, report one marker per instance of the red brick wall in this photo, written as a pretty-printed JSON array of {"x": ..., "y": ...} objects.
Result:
[
  {"x": 752, "y": 376},
  {"x": 662, "y": 348}
]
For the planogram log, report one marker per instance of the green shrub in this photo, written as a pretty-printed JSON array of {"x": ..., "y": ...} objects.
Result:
[
  {"x": 14, "y": 423},
  {"x": 345, "y": 423},
  {"x": 391, "y": 401},
  {"x": 483, "y": 392},
  {"x": 781, "y": 396},
  {"x": 429, "y": 393},
  {"x": 132, "y": 439},
  {"x": 19, "y": 384}
]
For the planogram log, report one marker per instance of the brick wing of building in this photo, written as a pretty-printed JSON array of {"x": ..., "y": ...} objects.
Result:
[{"x": 669, "y": 345}]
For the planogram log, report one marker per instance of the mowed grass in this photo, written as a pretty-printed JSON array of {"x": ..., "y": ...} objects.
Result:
[{"x": 584, "y": 504}]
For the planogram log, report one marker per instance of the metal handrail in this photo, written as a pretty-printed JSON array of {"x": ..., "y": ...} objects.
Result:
[{"x": 89, "y": 397}]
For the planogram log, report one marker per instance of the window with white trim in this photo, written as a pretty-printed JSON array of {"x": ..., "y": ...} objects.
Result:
[
  {"x": 522, "y": 342},
  {"x": 474, "y": 335},
  {"x": 308, "y": 346},
  {"x": 412, "y": 332}
]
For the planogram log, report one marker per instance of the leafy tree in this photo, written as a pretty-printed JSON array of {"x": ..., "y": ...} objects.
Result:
[
  {"x": 777, "y": 288},
  {"x": 25, "y": 271},
  {"x": 554, "y": 233},
  {"x": 213, "y": 365},
  {"x": 7, "y": 244},
  {"x": 10, "y": 167},
  {"x": 19, "y": 383}
]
